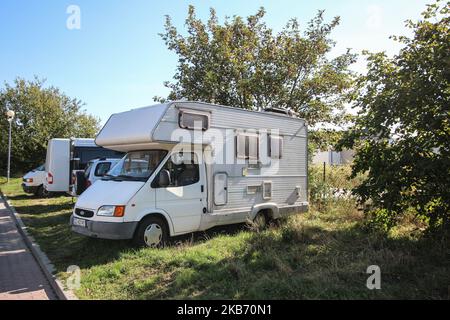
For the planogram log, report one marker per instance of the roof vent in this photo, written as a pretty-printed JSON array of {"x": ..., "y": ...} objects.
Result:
[{"x": 279, "y": 111}]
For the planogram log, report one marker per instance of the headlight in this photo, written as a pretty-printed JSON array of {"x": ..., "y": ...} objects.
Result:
[
  {"x": 29, "y": 180},
  {"x": 111, "y": 211},
  {"x": 107, "y": 211}
]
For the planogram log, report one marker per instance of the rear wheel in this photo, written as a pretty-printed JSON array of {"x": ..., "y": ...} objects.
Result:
[
  {"x": 260, "y": 221},
  {"x": 152, "y": 232}
]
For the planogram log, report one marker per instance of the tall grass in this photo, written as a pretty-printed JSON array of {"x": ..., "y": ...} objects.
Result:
[
  {"x": 328, "y": 183},
  {"x": 323, "y": 254}
]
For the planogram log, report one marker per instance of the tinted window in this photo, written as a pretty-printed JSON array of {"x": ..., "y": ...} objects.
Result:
[
  {"x": 190, "y": 120},
  {"x": 183, "y": 170},
  {"x": 89, "y": 153},
  {"x": 88, "y": 169},
  {"x": 102, "y": 168},
  {"x": 247, "y": 146},
  {"x": 275, "y": 147}
]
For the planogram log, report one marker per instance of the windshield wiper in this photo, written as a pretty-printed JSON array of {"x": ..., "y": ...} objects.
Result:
[
  {"x": 123, "y": 177},
  {"x": 131, "y": 178}
]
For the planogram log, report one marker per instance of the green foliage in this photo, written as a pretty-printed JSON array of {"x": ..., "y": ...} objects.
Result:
[
  {"x": 242, "y": 63},
  {"x": 42, "y": 113},
  {"x": 336, "y": 184},
  {"x": 322, "y": 139},
  {"x": 402, "y": 132}
]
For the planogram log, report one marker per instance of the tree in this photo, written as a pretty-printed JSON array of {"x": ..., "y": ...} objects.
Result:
[
  {"x": 402, "y": 132},
  {"x": 242, "y": 63},
  {"x": 42, "y": 113}
]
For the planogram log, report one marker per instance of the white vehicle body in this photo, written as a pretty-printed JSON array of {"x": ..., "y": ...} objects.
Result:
[
  {"x": 33, "y": 181},
  {"x": 65, "y": 155},
  {"x": 187, "y": 196},
  {"x": 94, "y": 171}
]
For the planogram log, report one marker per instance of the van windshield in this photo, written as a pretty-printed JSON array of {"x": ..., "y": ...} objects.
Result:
[
  {"x": 40, "y": 168},
  {"x": 136, "y": 166}
]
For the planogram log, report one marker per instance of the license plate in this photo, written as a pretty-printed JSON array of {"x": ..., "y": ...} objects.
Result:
[{"x": 79, "y": 222}]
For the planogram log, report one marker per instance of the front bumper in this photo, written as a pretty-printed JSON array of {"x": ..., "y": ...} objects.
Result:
[
  {"x": 29, "y": 189},
  {"x": 105, "y": 230}
]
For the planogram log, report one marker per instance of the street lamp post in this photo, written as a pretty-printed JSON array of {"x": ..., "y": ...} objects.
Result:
[{"x": 10, "y": 116}]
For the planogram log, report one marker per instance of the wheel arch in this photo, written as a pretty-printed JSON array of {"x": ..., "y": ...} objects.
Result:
[
  {"x": 271, "y": 210},
  {"x": 161, "y": 214}
]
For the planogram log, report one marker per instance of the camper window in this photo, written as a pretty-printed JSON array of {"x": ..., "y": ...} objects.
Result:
[
  {"x": 183, "y": 170},
  {"x": 247, "y": 146},
  {"x": 275, "y": 147},
  {"x": 267, "y": 190},
  {"x": 192, "y": 120}
]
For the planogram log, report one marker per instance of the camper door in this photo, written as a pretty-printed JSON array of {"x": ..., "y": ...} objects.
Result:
[{"x": 181, "y": 191}]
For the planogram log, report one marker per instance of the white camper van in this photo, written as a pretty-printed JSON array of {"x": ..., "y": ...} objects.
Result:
[
  {"x": 33, "y": 181},
  {"x": 191, "y": 166},
  {"x": 65, "y": 155}
]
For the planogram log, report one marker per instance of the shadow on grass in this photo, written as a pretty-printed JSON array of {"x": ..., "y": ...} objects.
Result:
[
  {"x": 22, "y": 196},
  {"x": 202, "y": 236},
  {"x": 26, "y": 196},
  {"x": 46, "y": 209},
  {"x": 284, "y": 262}
]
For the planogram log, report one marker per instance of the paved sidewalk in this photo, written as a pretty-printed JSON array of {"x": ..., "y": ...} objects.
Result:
[{"x": 20, "y": 275}]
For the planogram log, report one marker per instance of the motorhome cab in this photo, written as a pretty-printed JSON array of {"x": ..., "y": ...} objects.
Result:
[
  {"x": 191, "y": 166},
  {"x": 66, "y": 155}
]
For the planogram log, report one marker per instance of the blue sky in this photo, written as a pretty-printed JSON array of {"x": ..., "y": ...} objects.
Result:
[{"x": 117, "y": 61}]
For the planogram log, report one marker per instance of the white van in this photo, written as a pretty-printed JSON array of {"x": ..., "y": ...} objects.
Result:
[
  {"x": 95, "y": 170},
  {"x": 66, "y": 155},
  {"x": 33, "y": 181},
  {"x": 191, "y": 166}
]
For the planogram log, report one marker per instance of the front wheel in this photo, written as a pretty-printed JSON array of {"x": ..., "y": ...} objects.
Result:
[
  {"x": 152, "y": 232},
  {"x": 41, "y": 192}
]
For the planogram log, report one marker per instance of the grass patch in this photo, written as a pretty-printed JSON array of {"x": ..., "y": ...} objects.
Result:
[{"x": 318, "y": 255}]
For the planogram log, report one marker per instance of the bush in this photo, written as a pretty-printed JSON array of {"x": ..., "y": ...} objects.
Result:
[{"x": 336, "y": 184}]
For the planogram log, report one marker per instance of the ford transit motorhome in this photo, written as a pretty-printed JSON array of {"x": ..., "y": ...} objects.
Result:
[
  {"x": 66, "y": 155},
  {"x": 191, "y": 166}
]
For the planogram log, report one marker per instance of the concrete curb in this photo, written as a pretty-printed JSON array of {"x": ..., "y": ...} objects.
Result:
[{"x": 44, "y": 262}]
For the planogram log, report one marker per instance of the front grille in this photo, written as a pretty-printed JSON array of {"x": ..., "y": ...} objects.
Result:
[{"x": 84, "y": 213}]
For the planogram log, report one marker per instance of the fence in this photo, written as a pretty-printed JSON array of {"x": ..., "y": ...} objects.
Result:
[{"x": 330, "y": 182}]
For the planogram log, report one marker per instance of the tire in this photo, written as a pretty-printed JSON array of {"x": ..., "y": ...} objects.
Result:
[
  {"x": 152, "y": 232},
  {"x": 260, "y": 221},
  {"x": 41, "y": 192}
]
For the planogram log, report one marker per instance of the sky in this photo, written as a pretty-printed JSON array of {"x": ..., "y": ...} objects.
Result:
[{"x": 114, "y": 60}]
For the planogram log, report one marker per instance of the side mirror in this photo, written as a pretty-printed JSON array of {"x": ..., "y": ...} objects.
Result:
[{"x": 164, "y": 178}]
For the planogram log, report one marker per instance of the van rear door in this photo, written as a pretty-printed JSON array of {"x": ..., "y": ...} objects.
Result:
[{"x": 57, "y": 166}]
